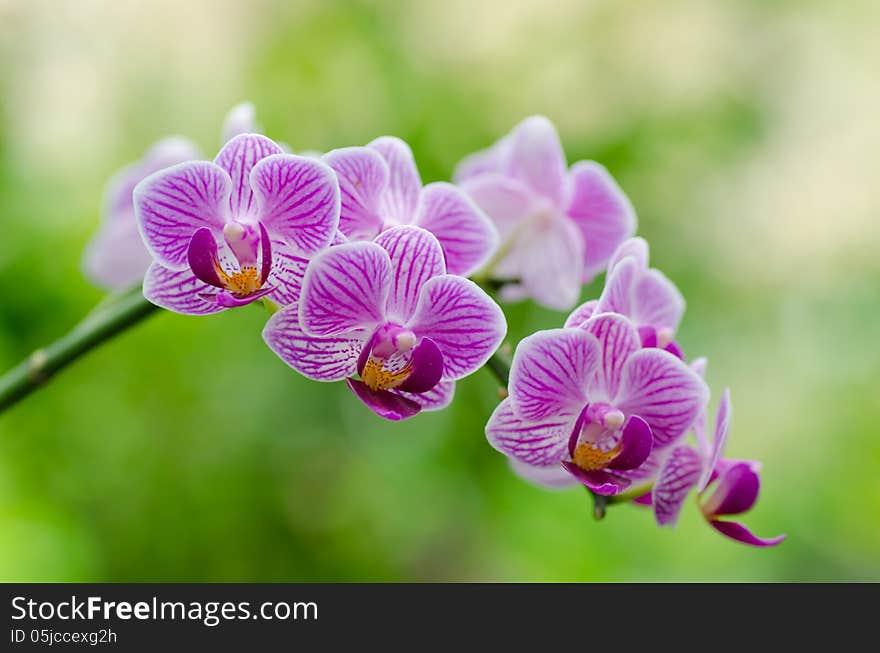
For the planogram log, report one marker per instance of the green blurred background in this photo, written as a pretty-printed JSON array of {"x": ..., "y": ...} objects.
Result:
[{"x": 745, "y": 134}]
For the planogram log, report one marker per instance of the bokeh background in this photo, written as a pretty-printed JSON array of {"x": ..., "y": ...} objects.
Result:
[{"x": 745, "y": 133}]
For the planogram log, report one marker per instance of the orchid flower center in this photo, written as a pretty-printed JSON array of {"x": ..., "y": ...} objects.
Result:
[
  {"x": 252, "y": 253},
  {"x": 597, "y": 437},
  {"x": 389, "y": 361}
]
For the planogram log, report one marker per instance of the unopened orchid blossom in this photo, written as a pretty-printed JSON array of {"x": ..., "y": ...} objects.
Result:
[
  {"x": 116, "y": 258},
  {"x": 381, "y": 188},
  {"x": 643, "y": 294},
  {"x": 725, "y": 486},
  {"x": 228, "y": 232},
  {"x": 558, "y": 225},
  {"x": 594, "y": 401},
  {"x": 387, "y": 312}
]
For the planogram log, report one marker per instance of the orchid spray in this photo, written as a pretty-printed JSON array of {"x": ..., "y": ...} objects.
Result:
[{"x": 364, "y": 272}]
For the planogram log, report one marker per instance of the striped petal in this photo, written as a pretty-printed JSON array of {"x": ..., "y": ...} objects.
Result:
[
  {"x": 416, "y": 257},
  {"x": 363, "y": 179},
  {"x": 466, "y": 234},
  {"x": 467, "y": 325},
  {"x": 330, "y": 358},
  {"x": 345, "y": 287},
  {"x": 298, "y": 201},
  {"x": 237, "y": 158},
  {"x": 662, "y": 390},
  {"x": 551, "y": 372},
  {"x": 677, "y": 478},
  {"x": 535, "y": 442},
  {"x": 398, "y": 204},
  {"x": 179, "y": 291},
  {"x": 172, "y": 204},
  {"x": 618, "y": 340},
  {"x": 722, "y": 427}
]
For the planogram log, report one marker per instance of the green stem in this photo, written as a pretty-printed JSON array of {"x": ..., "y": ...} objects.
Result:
[
  {"x": 108, "y": 319},
  {"x": 500, "y": 367}
]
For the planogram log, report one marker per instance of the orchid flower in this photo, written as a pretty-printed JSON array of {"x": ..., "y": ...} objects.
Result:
[
  {"x": 116, "y": 259},
  {"x": 381, "y": 188},
  {"x": 645, "y": 295},
  {"x": 736, "y": 482},
  {"x": 388, "y": 312},
  {"x": 558, "y": 226},
  {"x": 594, "y": 401},
  {"x": 226, "y": 233}
]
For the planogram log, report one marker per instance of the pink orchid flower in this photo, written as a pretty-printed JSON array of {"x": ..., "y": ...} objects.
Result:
[
  {"x": 387, "y": 312},
  {"x": 558, "y": 225}
]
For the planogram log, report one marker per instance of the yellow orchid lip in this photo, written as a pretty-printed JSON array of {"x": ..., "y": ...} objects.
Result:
[{"x": 378, "y": 376}]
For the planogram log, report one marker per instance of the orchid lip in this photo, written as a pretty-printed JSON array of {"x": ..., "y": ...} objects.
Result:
[
  {"x": 248, "y": 283},
  {"x": 394, "y": 357}
]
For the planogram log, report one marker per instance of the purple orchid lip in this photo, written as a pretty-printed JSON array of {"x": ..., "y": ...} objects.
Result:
[
  {"x": 635, "y": 445},
  {"x": 738, "y": 532},
  {"x": 265, "y": 254},
  {"x": 576, "y": 431},
  {"x": 202, "y": 257},
  {"x": 228, "y": 300},
  {"x": 736, "y": 492},
  {"x": 386, "y": 404},
  {"x": 427, "y": 368},
  {"x": 599, "y": 481}
]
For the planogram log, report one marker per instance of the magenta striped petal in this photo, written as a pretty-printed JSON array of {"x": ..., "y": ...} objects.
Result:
[
  {"x": 581, "y": 314},
  {"x": 385, "y": 403},
  {"x": 466, "y": 234},
  {"x": 662, "y": 390},
  {"x": 551, "y": 372},
  {"x": 467, "y": 325},
  {"x": 398, "y": 204},
  {"x": 540, "y": 442},
  {"x": 237, "y": 158},
  {"x": 536, "y": 158},
  {"x": 740, "y": 533},
  {"x": 286, "y": 275},
  {"x": 656, "y": 301},
  {"x": 618, "y": 340},
  {"x": 345, "y": 287},
  {"x": 508, "y": 202},
  {"x": 171, "y": 205},
  {"x": 330, "y": 358},
  {"x": 677, "y": 478},
  {"x": 416, "y": 257},
  {"x": 601, "y": 211},
  {"x": 363, "y": 179},
  {"x": 298, "y": 201},
  {"x": 551, "y": 477},
  {"x": 437, "y": 398},
  {"x": 179, "y": 291},
  {"x": 722, "y": 428}
]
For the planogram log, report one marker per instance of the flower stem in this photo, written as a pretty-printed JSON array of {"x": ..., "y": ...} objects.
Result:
[
  {"x": 108, "y": 319},
  {"x": 500, "y": 367}
]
